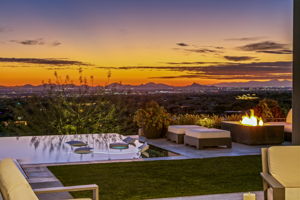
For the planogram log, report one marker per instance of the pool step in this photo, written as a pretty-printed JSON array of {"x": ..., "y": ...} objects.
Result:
[{"x": 39, "y": 175}]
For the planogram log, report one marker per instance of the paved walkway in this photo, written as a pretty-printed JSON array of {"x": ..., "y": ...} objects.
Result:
[
  {"x": 41, "y": 177},
  {"x": 191, "y": 152}
]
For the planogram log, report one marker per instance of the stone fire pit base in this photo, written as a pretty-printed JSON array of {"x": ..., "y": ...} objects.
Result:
[{"x": 254, "y": 135}]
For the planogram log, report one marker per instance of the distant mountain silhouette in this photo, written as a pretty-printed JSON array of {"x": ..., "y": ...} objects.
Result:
[
  {"x": 152, "y": 85},
  {"x": 159, "y": 86},
  {"x": 164, "y": 87},
  {"x": 271, "y": 83},
  {"x": 197, "y": 86}
]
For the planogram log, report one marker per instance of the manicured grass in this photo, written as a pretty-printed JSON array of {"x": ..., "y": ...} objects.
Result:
[{"x": 155, "y": 179}]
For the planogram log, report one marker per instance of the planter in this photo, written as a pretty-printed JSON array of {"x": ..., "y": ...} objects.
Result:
[{"x": 152, "y": 133}]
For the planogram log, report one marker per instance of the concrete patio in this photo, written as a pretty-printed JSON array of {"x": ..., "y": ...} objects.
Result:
[
  {"x": 188, "y": 152},
  {"x": 41, "y": 177}
]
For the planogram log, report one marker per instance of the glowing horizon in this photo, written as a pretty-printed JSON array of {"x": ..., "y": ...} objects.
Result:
[{"x": 172, "y": 42}]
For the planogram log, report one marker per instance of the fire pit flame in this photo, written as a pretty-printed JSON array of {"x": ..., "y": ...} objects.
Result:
[{"x": 252, "y": 120}]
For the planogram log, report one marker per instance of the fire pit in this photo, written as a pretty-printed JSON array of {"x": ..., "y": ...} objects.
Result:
[{"x": 252, "y": 130}]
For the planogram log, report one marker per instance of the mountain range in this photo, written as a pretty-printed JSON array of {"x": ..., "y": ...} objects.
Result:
[
  {"x": 271, "y": 83},
  {"x": 159, "y": 86}
]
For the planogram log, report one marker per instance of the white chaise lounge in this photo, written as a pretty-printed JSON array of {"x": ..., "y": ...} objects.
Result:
[{"x": 288, "y": 125}]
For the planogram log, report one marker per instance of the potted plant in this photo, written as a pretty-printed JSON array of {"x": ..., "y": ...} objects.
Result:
[{"x": 153, "y": 119}]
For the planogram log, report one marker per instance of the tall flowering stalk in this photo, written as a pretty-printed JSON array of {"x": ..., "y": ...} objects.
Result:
[{"x": 66, "y": 109}]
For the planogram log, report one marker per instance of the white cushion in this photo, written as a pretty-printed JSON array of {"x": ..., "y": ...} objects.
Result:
[
  {"x": 180, "y": 129},
  {"x": 288, "y": 128},
  {"x": 289, "y": 117},
  {"x": 284, "y": 165},
  {"x": 13, "y": 184},
  {"x": 292, "y": 193},
  {"x": 208, "y": 133}
]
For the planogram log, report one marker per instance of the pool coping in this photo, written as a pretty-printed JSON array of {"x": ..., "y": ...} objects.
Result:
[{"x": 106, "y": 161}]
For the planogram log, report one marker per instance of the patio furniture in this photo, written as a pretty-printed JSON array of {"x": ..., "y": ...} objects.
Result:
[
  {"x": 281, "y": 172},
  {"x": 176, "y": 132},
  {"x": 14, "y": 186},
  {"x": 201, "y": 138},
  {"x": 288, "y": 125}
]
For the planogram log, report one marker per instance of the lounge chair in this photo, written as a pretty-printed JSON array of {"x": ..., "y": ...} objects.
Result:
[
  {"x": 281, "y": 172},
  {"x": 14, "y": 186},
  {"x": 288, "y": 125},
  {"x": 176, "y": 132},
  {"x": 208, "y": 137}
]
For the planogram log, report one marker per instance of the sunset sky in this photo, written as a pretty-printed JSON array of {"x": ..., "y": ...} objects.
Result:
[{"x": 176, "y": 42}]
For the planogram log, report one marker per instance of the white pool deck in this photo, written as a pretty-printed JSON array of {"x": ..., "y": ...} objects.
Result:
[
  {"x": 40, "y": 176},
  {"x": 190, "y": 152}
]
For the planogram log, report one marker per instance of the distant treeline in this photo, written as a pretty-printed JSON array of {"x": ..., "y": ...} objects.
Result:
[{"x": 122, "y": 108}]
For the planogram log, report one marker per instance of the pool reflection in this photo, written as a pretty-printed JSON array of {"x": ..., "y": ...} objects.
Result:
[{"x": 55, "y": 149}]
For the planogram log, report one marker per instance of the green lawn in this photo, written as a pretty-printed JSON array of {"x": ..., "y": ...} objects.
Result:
[{"x": 155, "y": 179}]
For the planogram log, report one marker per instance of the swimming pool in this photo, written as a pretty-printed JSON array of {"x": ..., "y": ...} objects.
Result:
[{"x": 57, "y": 149}]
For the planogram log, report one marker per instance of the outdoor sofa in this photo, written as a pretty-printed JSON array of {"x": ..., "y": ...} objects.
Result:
[
  {"x": 281, "y": 172},
  {"x": 14, "y": 186},
  {"x": 288, "y": 125}
]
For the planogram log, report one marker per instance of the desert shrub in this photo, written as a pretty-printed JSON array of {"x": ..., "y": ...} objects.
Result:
[
  {"x": 185, "y": 119},
  {"x": 211, "y": 121},
  {"x": 233, "y": 117},
  {"x": 64, "y": 110},
  {"x": 57, "y": 114},
  {"x": 268, "y": 109},
  {"x": 152, "y": 116}
]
